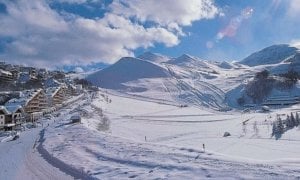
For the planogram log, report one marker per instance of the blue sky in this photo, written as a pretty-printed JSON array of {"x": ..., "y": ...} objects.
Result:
[{"x": 52, "y": 33}]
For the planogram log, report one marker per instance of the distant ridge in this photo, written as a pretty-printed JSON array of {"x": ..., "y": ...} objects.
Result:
[
  {"x": 153, "y": 57},
  {"x": 270, "y": 55}
]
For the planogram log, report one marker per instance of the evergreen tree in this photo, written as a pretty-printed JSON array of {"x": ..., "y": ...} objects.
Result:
[
  {"x": 297, "y": 119},
  {"x": 293, "y": 120},
  {"x": 280, "y": 126},
  {"x": 274, "y": 129},
  {"x": 288, "y": 122}
]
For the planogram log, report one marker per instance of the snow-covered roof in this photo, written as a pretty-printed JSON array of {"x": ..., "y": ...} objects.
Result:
[
  {"x": 24, "y": 99},
  {"x": 7, "y": 73},
  {"x": 3, "y": 108},
  {"x": 14, "y": 108},
  {"x": 51, "y": 82},
  {"x": 50, "y": 92}
]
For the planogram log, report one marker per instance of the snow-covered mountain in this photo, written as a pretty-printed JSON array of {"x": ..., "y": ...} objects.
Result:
[
  {"x": 154, "y": 57},
  {"x": 182, "y": 80},
  {"x": 125, "y": 70},
  {"x": 190, "y": 80},
  {"x": 186, "y": 60},
  {"x": 270, "y": 55}
]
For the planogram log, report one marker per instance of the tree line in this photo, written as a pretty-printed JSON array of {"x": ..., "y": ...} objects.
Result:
[{"x": 280, "y": 126}]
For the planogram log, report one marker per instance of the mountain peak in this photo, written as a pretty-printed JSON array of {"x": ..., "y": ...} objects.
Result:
[
  {"x": 186, "y": 57},
  {"x": 270, "y": 55},
  {"x": 125, "y": 70},
  {"x": 187, "y": 60},
  {"x": 153, "y": 57}
]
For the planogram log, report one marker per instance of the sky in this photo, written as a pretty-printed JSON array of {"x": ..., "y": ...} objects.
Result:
[{"x": 53, "y": 33}]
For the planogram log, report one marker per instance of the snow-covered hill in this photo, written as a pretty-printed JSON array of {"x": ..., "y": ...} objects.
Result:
[
  {"x": 270, "y": 55},
  {"x": 188, "y": 61},
  {"x": 154, "y": 57},
  {"x": 193, "y": 81},
  {"x": 183, "y": 80},
  {"x": 125, "y": 70}
]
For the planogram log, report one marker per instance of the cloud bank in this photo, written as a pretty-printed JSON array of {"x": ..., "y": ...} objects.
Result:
[{"x": 34, "y": 33}]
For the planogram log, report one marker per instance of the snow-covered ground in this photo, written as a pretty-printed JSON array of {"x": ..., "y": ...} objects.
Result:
[
  {"x": 20, "y": 159},
  {"x": 149, "y": 140}
]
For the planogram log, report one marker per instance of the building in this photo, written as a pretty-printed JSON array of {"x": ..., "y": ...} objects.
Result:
[
  {"x": 73, "y": 90},
  {"x": 56, "y": 95},
  {"x": 6, "y": 76},
  {"x": 10, "y": 117},
  {"x": 32, "y": 101},
  {"x": 15, "y": 74},
  {"x": 3, "y": 114},
  {"x": 16, "y": 114}
]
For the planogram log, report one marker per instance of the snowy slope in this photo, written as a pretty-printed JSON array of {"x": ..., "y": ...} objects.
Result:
[
  {"x": 270, "y": 55},
  {"x": 193, "y": 81},
  {"x": 125, "y": 70},
  {"x": 183, "y": 80},
  {"x": 153, "y": 57},
  {"x": 188, "y": 61},
  {"x": 147, "y": 140}
]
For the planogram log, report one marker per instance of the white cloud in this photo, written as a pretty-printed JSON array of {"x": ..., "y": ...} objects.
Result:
[
  {"x": 42, "y": 36},
  {"x": 75, "y": 1},
  {"x": 33, "y": 17},
  {"x": 165, "y": 12}
]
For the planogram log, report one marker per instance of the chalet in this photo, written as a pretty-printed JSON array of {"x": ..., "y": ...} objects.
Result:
[
  {"x": 16, "y": 114},
  {"x": 15, "y": 74},
  {"x": 32, "y": 101},
  {"x": 56, "y": 95},
  {"x": 3, "y": 114},
  {"x": 73, "y": 90},
  {"x": 43, "y": 73},
  {"x": 10, "y": 117},
  {"x": 6, "y": 76}
]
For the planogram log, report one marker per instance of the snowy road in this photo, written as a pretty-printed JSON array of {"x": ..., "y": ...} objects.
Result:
[{"x": 20, "y": 159}]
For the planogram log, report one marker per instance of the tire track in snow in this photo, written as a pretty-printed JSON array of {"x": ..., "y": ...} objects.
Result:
[{"x": 58, "y": 163}]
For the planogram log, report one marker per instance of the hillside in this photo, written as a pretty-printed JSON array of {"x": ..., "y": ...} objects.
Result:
[
  {"x": 193, "y": 81},
  {"x": 153, "y": 57},
  {"x": 125, "y": 70},
  {"x": 186, "y": 60},
  {"x": 270, "y": 55}
]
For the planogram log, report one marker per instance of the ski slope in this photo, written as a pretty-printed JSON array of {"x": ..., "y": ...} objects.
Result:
[{"x": 149, "y": 140}]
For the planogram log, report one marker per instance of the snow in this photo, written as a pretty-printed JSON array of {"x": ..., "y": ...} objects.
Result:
[
  {"x": 183, "y": 80},
  {"x": 186, "y": 60},
  {"x": 151, "y": 119},
  {"x": 25, "y": 97},
  {"x": 270, "y": 55},
  {"x": 154, "y": 57},
  {"x": 6, "y": 73},
  {"x": 126, "y": 69},
  {"x": 148, "y": 140},
  {"x": 19, "y": 160}
]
